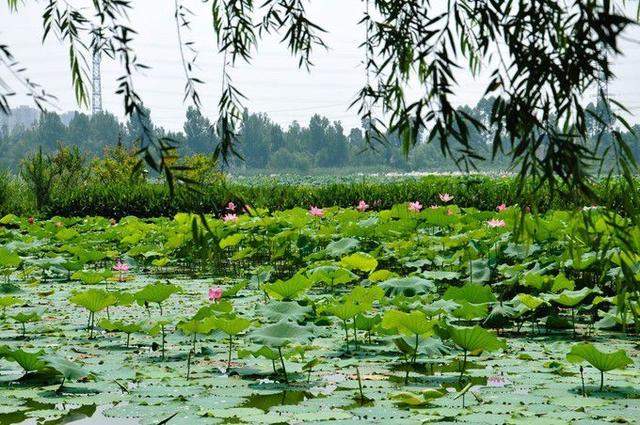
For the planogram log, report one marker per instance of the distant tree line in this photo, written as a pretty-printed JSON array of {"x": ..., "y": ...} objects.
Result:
[{"x": 263, "y": 144}]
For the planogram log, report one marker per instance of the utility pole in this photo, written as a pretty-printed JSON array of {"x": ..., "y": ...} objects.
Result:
[{"x": 96, "y": 84}]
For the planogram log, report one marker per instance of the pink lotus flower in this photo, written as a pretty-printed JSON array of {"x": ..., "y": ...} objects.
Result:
[
  {"x": 316, "y": 212},
  {"x": 31, "y": 220},
  {"x": 445, "y": 197},
  {"x": 362, "y": 206},
  {"x": 449, "y": 212},
  {"x": 415, "y": 206},
  {"x": 229, "y": 217},
  {"x": 497, "y": 381},
  {"x": 494, "y": 222},
  {"x": 231, "y": 206},
  {"x": 501, "y": 207},
  {"x": 215, "y": 294},
  {"x": 121, "y": 267}
]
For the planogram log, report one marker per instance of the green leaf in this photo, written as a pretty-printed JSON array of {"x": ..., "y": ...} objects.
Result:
[
  {"x": 414, "y": 323},
  {"x": 571, "y": 298},
  {"x": 416, "y": 399},
  {"x": 289, "y": 289},
  {"x": 561, "y": 283},
  {"x": 332, "y": 275},
  {"x": 281, "y": 334},
  {"x": 275, "y": 311},
  {"x": 66, "y": 368},
  {"x": 231, "y": 326},
  {"x": 341, "y": 247},
  {"x": 94, "y": 300},
  {"x": 408, "y": 286},
  {"x": 601, "y": 360},
  {"x": 360, "y": 261},
  {"x": 156, "y": 293},
  {"x": 475, "y": 338},
  {"x": 29, "y": 361},
  {"x": 91, "y": 277},
  {"x": 9, "y": 258},
  {"x": 471, "y": 292}
]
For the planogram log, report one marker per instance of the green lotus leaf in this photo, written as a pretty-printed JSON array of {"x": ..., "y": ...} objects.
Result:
[
  {"x": 414, "y": 323},
  {"x": 341, "y": 247},
  {"x": 30, "y": 317},
  {"x": 282, "y": 333},
  {"x": 231, "y": 240},
  {"x": 263, "y": 351},
  {"x": 289, "y": 289},
  {"x": 408, "y": 286},
  {"x": 194, "y": 326},
  {"x": 438, "y": 275},
  {"x": 120, "y": 326},
  {"x": 365, "y": 297},
  {"x": 561, "y": 283},
  {"x": 8, "y": 301},
  {"x": 274, "y": 311},
  {"x": 416, "y": 399},
  {"x": 480, "y": 271},
  {"x": 475, "y": 338},
  {"x": 367, "y": 323},
  {"x": 332, "y": 275},
  {"x": 440, "y": 307},
  {"x": 601, "y": 360},
  {"x": 29, "y": 361},
  {"x": 156, "y": 293},
  {"x": 359, "y": 261},
  {"x": 123, "y": 298},
  {"x": 571, "y": 298},
  {"x": 94, "y": 300},
  {"x": 233, "y": 290},
  {"x": 91, "y": 277},
  {"x": 69, "y": 370},
  {"x": 213, "y": 309},
  {"x": 345, "y": 310},
  {"x": 471, "y": 292},
  {"x": 499, "y": 317},
  {"x": 231, "y": 326},
  {"x": 9, "y": 258},
  {"x": 530, "y": 301},
  {"x": 470, "y": 311},
  {"x": 67, "y": 234},
  {"x": 380, "y": 275}
]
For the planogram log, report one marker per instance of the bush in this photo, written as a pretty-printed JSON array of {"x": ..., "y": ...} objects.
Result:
[
  {"x": 147, "y": 199},
  {"x": 38, "y": 172},
  {"x": 118, "y": 165}
]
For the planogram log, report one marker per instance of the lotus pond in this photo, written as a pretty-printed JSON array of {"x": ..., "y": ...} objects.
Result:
[{"x": 407, "y": 315}]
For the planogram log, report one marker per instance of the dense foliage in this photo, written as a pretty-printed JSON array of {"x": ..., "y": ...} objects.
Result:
[
  {"x": 541, "y": 59},
  {"x": 114, "y": 194},
  {"x": 410, "y": 313}
]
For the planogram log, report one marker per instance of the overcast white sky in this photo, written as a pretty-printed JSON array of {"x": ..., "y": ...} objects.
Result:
[{"x": 272, "y": 83}]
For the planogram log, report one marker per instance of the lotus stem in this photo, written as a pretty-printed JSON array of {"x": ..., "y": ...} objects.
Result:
[
  {"x": 189, "y": 363},
  {"x": 464, "y": 366},
  {"x": 601, "y": 380},
  {"x": 584, "y": 393},
  {"x": 163, "y": 337},
  {"x": 230, "y": 347},
  {"x": 284, "y": 369},
  {"x": 360, "y": 385}
]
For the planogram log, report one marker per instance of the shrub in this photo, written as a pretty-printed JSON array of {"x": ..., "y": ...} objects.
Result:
[
  {"x": 118, "y": 165},
  {"x": 38, "y": 172}
]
